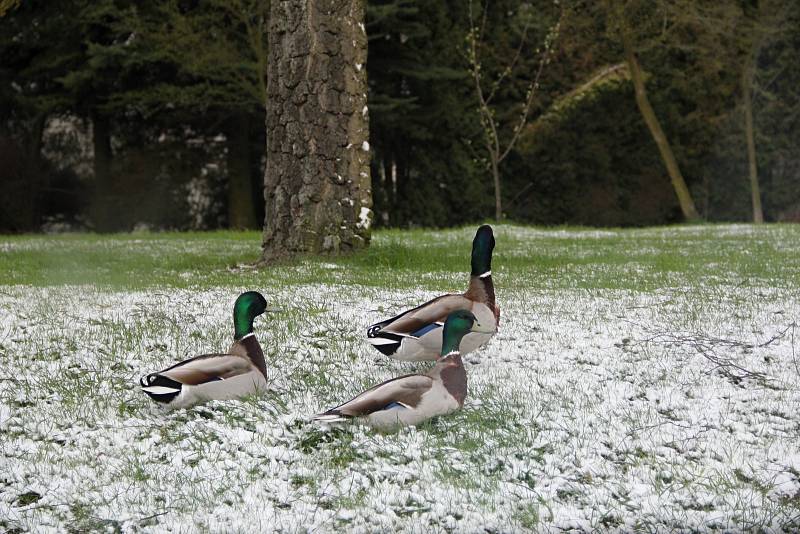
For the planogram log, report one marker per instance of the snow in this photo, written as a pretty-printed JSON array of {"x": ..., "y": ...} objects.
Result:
[
  {"x": 567, "y": 425},
  {"x": 364, "y": 218}
]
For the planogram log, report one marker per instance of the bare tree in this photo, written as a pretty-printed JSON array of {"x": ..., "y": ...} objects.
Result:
[
  {"x": 618, "y": 17},
  {"x": 748, "y": 74},
  {"x": 731, "y": 36},
  {"x": 8, "y": 5},
  {"x": 756, "y": 32},
  {"x": 486, "y": 90},
  {"x": 317, "y": 182}
]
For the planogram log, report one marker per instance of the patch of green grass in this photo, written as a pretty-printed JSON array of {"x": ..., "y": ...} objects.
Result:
[
  {"x": 528, "y": 517},
  {"x": 342, "y": 452},
  {"x": 337, "y": 441},
  {"x": 29, "y": 497},
  {"x": 83, "y": 520},
  {"x": 564, "y": 257},
  {"x": 122, "y": 260}
]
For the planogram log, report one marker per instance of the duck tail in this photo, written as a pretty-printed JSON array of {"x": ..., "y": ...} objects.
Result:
[
  {"x": 386, "y": 342},
  {"x": 160, "y": 388},
  {"x": 331, "y": 416}
]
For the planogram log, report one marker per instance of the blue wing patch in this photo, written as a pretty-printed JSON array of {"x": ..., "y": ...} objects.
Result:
[
  {"x": 393, "y": 405},
  {"x": 425, "y": 329}
]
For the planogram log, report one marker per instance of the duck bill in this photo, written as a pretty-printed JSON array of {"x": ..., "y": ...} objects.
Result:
[{"x": 481, "y": 328}]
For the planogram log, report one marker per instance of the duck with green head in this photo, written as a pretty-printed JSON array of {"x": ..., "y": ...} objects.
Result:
[
  {"x": 238, "y": 372},
  {"x": 412, "y": 399},
  {"x": 416, "y": 334}
]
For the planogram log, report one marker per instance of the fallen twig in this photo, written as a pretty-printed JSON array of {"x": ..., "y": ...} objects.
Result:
[{"x": 708, "y": 347}]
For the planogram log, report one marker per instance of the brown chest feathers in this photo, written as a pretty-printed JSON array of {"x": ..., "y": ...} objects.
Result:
[
  {"x": 454, "y": 378},
  {"x": 254, "y": 352},
  {"x": 482, "y": 290}
]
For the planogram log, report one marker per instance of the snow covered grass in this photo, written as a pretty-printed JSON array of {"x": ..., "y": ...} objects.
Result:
[{"x": 641, "y": 380}]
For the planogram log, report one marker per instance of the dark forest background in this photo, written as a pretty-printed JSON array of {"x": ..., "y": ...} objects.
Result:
[{"x": 117, "y": 115}]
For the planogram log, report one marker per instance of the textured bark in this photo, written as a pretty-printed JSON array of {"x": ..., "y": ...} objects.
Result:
[
  {"x": 650, "y": 118},
  {"x": 317, "y": 185},
  {"x": 241, "y": 205}
]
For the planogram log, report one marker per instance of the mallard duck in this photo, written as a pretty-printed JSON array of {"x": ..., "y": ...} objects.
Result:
[
  {"x": 412, "y": 399},
  {"x": 416, "y": 334},
  {"x": 240, "y": 371}
]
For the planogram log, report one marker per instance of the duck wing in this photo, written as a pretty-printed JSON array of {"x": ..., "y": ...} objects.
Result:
[
  {"x": 405, "y": 391},
  {"x": 387, "y": 336},
  {"x": 412, "y": 321},
  {"x": 202, "y": 369}
]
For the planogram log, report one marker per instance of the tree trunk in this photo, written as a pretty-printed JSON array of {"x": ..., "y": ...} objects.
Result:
[
  {"x": 39, "y": 180},
  {"x": 317, "y": 182},
  {"x": 755, "y": 191},
  {"x": 102, "y": 201},
  {"x": 385, "y": 192},
  {"x": 241, "y": 206},
  {"x": 393, "y": 188},
  {"x": 498, "y": 203},
  {"x": 649, "y": 115}
]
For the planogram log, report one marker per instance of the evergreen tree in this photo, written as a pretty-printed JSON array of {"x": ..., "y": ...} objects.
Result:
[
  {"x": 423, "y": 128},
  {"x": 204, "y": 64},
  {"x": 46, "y": 56},
  {"x": 157, "y": 82},
  {"x": 174, "y": 64}
]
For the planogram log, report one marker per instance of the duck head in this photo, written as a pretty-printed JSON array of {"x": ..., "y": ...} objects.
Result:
[
  {"x": 482, "y": 247},
  {"x": 459, "y": 324},
  {"x": 248, "y": 306}
]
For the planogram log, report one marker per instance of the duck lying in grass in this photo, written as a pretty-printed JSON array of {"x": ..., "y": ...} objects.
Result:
[
  {"x": 238, "y": 372},
  {"x": 416, "y": 334},
  {"x": 412, "y": 399}
]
